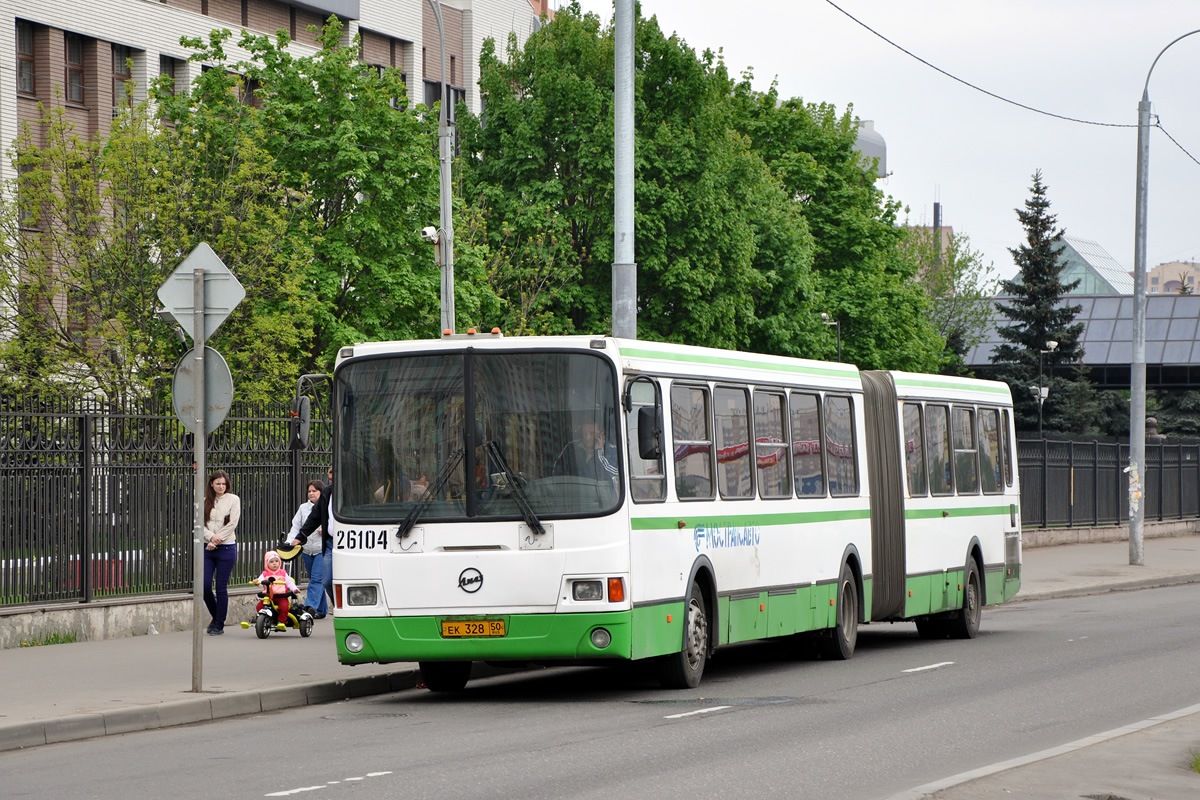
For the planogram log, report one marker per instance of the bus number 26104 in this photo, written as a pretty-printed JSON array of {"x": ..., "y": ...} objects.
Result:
[{"x": 361, "y": 540}]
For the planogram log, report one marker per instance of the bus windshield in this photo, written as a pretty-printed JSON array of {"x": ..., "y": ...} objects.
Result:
[{"x": 543, "y": 436}]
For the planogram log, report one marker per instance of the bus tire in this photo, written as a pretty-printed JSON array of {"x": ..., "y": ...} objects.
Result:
[
  {"x": 684, "y": 669},
  {"x": 445, "y": 676},
  {"x": 840, "y": 646},
  {"x": 966, "y": 624}
]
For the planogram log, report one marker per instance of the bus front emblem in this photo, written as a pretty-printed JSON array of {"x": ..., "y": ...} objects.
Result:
[{"x": 470, "y": 580}]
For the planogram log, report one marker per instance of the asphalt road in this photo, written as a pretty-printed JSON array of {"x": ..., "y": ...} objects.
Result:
[{"x": 766, "y": 722}]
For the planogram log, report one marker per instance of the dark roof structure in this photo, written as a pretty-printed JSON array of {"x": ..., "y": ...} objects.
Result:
[{"x": 1172, "y": 346}]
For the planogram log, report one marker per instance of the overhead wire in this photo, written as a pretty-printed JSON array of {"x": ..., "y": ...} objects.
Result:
[{"x": 1157, "y": 121}]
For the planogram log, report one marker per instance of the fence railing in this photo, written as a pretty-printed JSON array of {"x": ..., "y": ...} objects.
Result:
[
  {"x": 98, "y": 501},
  {"x": 1072, "y": 484}
]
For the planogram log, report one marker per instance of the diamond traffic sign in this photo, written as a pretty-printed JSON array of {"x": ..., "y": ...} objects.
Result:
[{"x": 222, "y": 291}]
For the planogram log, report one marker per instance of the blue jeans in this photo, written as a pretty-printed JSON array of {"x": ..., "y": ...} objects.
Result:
[
  {"x": 320, "y": 578},
  {"x": 218, "y": 563}
]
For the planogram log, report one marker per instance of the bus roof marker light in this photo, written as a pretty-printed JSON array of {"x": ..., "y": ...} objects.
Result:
[
  {"x": 447, "y": 332},
  {"x": 471, "y": 331},
  {"x": 496, "y": 332},
  {"x": 597, "y": 344}
]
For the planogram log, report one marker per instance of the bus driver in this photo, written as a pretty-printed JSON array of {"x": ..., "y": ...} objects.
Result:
[{"x": 589, "y": 456}]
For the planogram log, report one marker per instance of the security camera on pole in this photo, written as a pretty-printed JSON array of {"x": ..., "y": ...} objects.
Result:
[{"x": 203, "y": 287}]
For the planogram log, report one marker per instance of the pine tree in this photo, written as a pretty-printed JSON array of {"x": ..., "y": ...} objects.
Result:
[{"x": 1039, "y": 315}]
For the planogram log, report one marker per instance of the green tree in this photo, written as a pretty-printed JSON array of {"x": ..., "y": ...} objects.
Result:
[
  {"x": 861, "y": 278},
  {"x": 1039, "y": 315},
  {"x": 362, "y": 177},
  {"x": 722, "y": 255},
  {"x": 960, "y": 287},
  {"x": 94, "y": 226}
]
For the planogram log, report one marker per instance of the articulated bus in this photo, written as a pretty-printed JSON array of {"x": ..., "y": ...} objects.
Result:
[{"x": 583, "y": 500}]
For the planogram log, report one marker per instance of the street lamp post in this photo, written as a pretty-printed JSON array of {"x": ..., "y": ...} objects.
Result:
[
  {"x": 445, "y": 235},
  {"x": 825, "y": 318},
  {"x": 1137, "y": 367},
  {"x": 1043, "y": 391}
]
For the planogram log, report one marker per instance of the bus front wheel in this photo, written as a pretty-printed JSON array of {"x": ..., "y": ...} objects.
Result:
[
  {"x": 684, "y": 669},
  {"x": 445, "y": 676}
]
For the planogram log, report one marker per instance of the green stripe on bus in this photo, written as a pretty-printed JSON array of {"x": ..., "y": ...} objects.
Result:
[
  {"x": 729, "y": 361},
  {"x": 937, "y": 513},
  {"x": 951, "y": 384},
  {"x": 742, "y": 520}
]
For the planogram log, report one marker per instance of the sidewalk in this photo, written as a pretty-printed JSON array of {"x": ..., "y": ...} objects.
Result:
[{"x": 61, "y": 693}]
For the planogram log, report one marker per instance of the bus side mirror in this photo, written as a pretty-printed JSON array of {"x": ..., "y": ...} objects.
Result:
[
  {"x": 301, "y": 421},
  {"x": 648, "y": 433}
]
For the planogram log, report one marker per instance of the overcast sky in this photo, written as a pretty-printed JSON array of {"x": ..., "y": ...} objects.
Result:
[{"x": 948, "y": 143}]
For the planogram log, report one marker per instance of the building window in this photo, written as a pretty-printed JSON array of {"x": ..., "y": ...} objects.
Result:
[
  {"x": 122, "y": 75},
  {"x": 453, "y": 71},
  {"x": 25, "y": 83},
  {"x": 75, "y": 69},
  {"x": 166, "y": 69}
]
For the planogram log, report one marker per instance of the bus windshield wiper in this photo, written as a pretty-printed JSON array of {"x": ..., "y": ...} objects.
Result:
[
  {"x": 514, "y": 482},
  {"x": 431, "y": 492}
]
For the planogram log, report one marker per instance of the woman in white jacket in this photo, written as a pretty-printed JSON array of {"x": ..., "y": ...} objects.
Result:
[
  {"x": 222, "y": 510},
  {"x": 312, "y": 554}
]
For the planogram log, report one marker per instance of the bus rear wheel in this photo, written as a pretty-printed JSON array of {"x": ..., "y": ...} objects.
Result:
[
  {"x": 966, "y": 624},
  {"x": 445, "y": 676},
  {"x": 845, "y": 635},
  {"x": 684, "y": 669}
]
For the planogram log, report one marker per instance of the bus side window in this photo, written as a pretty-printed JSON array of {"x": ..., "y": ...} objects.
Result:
[
  {"x": 914, "y": 450},
  {"x": 807, "y": 463},
  {"x": 693, "y": 447},
  {"x": 771, "y": 445},
  {"x": 840, "y": 450},
  {"x": 966, "y": 469},
  {"x": 989, "y": 451},
  {"x": 1006, "y": 447},
  {"x": 647, "y": 478},
  {"x": 735, "y": 478},
  {"x": 937, "y": 420}
]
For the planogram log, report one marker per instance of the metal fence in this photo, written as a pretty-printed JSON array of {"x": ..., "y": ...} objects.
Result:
[
  {"x": 112, "y": 489},
  {"x": 1065, "y": 484},
  {"x": 97, "y": 501}
]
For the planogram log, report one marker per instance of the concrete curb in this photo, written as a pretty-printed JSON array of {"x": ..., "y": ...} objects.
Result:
[
  {"x": 1123, "y": 586},
  {"x": 200, "y": 709}
]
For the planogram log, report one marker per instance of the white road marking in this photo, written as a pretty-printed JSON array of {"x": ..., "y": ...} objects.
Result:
[
  {"x": 694, "y": 713},
  {"x": 330, "y": 783},
  {"x": 931, "y": 666}
]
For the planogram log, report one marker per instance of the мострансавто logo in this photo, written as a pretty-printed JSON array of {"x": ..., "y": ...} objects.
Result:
[{"x": 720, "y": 538}]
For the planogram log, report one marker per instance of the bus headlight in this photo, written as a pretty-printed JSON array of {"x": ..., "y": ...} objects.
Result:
[
  {"x": 354, "y": 643},
  {"x": 587, "y": 590},
  {"x": 601, "y": 638},
  {"x": 361, "y": 595}
]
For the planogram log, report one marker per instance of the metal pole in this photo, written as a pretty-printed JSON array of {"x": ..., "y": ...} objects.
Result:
[
  {"x": 624, "y": 269},
  {"x": 200, "y": 404},
  {"x": 1137, "y": 377},
  {"x": 1039, "y": 397},
  {"x": 445, "y": 243}
]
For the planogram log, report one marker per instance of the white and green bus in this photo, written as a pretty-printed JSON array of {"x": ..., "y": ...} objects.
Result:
[{"x": 591, "y": 499}]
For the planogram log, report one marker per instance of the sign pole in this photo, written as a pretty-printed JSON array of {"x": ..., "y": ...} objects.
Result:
[{"x": 199, "y": 435}]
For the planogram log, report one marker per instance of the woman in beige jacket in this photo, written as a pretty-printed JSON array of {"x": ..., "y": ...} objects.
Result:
[{"x": 222, "y": 510}]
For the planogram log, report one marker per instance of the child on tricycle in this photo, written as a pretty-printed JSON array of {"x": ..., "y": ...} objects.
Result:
[{"x": 274, "y": 605}]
